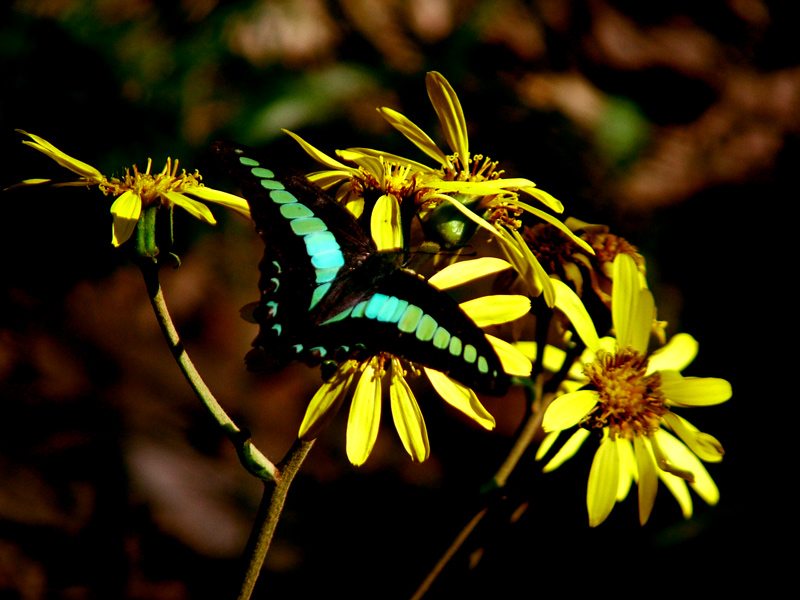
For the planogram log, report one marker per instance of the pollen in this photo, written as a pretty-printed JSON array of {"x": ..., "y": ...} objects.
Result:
[{"x": 631, "y": 402}]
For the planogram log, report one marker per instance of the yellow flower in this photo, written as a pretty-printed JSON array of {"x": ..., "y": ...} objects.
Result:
[
  {"x": 447, "y": 199},
  {"x": 471, "y": 183},
  {"x": 461, "y": 172},
  {"x": 629, "y": 401},
  {"x": 137, "y": 191},
  {"x": 365, "y": 408}
]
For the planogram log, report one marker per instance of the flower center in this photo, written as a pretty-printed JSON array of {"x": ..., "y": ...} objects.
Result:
[
  {"x": 550, "y": 246},
  {"x": 607, "y": 246},
  {"x": 150, "y": 187},
  {"x": 631, "y": 402},
  {"x": 395, "y": 181}
]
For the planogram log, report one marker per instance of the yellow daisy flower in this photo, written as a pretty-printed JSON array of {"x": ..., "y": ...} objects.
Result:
[
  {"x": 365, "y": 408},
  {"x": 629, "y": 400},
  {"x": 447, "y": 199},
  {"x": 471, "y": 183},
  {"x": 135, "y": 192}
]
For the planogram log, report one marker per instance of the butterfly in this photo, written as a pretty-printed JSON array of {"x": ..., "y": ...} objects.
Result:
[{"x": 328, "y": 294}]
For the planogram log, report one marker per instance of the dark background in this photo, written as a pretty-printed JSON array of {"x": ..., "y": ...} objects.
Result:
[{"x": 675, "y": 123}]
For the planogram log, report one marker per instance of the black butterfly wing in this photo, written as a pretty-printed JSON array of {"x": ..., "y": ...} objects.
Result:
[
  {"x": 406, "y": 316},
  {"x": 310, "y": 244},
  {"x": 326, "y": 293}
]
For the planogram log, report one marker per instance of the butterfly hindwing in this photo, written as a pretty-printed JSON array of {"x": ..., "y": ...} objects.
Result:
[
  {"x": 327, "y": 293},
  {"x": 406, "y": 316}
]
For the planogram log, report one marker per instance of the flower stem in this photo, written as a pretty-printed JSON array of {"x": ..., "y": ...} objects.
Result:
[
  {"x": 251, "y": 458},
  {"x": 541, "y": 395},
  {"x": 269, "y": 512},
  {"x": 522, "y": 442}
]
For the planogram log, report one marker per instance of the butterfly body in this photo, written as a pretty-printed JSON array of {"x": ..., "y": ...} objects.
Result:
[{"x": 327, "y": 293}]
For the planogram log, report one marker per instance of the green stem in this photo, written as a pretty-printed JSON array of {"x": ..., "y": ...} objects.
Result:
[
  {"x": 251, "y": 458},
  {"x": 269, "y": 512}
]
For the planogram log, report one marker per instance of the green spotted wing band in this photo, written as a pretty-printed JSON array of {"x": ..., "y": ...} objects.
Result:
[{"x": 327, "y": 294}]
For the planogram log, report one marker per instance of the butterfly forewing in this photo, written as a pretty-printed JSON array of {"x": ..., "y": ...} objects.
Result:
[{"x": 326, "y": 293}]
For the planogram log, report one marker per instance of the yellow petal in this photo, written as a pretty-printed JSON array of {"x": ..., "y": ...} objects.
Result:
[
  {"x": 197, "y": 209},
  {"x": 514, "y": 362},
  {"x": 327, "y": 179},
  {"x": 389, "y": 157},
  {"x": 222, "y": 198},
  {"x": 385, "y": 223},
  {"x": 680, "y": 455},
  {"x": 573, "y": 274},
  {"x": 648, "y": 478},
  {"x": 553, "y": 357},
  {"x": 488, "y": 187},
  {"x": 642, "y": 321},
  {"x": 702, "y": 444},
  {"x": 126, "y": 210},
  {"x": 548, "y": 200},
  {"x": 664, "y": 460},
  {"x": 676, "y": 355},
  {"x": 326, "y": 401},
  {"x": 601, "y": 494},
  {"x": 567, "y": 301},
  {"x": 628, "y": 472},
  {"x": 375, "y": 166},
  {"x": 567, "y": 410},
  {"x": 548, "y": 218},
  {"x": 624, "y": 297},
  {"x": 63, "y": 159},
  {"x": 365, "y": 415},
  {"x": 417, "y": 137},
  {"x": 34, "y": 182},
  {"x": 537, "y": 271},
  {"x": 694, "y": 391},
  {"x": 568, "y": 450},
  {"x": 478, "y": 220},
  {"x": 679, "y": 490},
  {"x": 355, "y": 207},
  {"x": 460, "y": 397},
  {"x": 407, "y": 416},
  {"x": 493, "y": 310},
  {"x": 547, "y": 443},
  {"x": 467, "y": 270},
  {"x": 519, "y": 255},
  {"x": 320, "y": 156},
  {"x": 448, "y": 109}
]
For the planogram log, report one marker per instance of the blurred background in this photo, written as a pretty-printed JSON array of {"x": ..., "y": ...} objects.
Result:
[{"x": 675, "y": 123}]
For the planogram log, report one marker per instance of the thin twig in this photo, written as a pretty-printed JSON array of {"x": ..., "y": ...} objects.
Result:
[
  {"x": 449, "y": 553},
  {"x": 251, "y": 458}
]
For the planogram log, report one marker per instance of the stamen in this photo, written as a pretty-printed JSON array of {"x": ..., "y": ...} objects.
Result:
[{"x": 631, "y": 402}]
